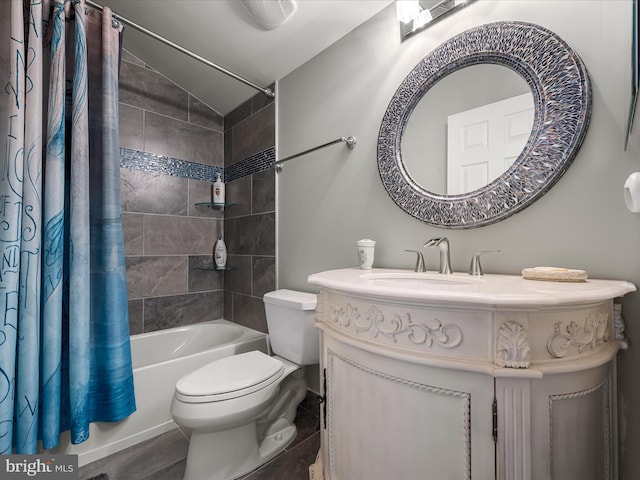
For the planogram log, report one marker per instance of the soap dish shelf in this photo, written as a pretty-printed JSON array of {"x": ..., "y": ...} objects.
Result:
[
  {"x": 217, "y": 206},
  {"x": 214, "y": 268}
]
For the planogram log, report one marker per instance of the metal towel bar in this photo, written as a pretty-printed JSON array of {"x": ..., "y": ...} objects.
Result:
[{"x": 350, "y": 141}]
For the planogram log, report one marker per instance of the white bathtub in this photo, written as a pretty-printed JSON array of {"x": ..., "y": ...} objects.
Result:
[{"x": 159, "y": 360}]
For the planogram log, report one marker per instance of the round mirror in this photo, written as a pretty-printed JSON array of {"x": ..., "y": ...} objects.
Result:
[
  {"x": 549, "y": 105},
  {"x": 468, "y": 129}
]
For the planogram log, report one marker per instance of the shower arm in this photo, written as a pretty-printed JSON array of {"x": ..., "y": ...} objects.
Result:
[{"x": 267, "y": 91}]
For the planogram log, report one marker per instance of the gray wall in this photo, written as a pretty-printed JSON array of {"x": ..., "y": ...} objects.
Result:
[{"x": 331, "y": 198}]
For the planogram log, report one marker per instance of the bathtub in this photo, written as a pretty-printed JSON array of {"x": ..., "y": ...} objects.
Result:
[{"x": 159, "y": 360}]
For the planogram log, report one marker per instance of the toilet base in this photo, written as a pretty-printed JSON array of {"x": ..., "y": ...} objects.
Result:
[
  {"x": 231, "y": 453},
  {"x": 224, "y": 460}
]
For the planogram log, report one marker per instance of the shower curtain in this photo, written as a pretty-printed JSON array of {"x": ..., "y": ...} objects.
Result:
[{"x": 65, "y": 358}]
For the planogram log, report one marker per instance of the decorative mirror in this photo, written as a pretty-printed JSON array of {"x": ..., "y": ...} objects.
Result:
[{"x": 541, "y": 124}]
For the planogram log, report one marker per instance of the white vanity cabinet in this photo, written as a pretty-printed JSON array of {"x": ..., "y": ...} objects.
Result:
[
  {"x": 458, "y": 378},
  {"x": 388, "y": 418}
]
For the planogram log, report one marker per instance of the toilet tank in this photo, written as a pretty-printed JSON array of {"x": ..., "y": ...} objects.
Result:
[{"x": 290, "y": 318}]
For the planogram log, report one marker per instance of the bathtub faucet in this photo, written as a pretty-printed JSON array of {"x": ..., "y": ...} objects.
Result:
[{"x": 445, "y": 257}]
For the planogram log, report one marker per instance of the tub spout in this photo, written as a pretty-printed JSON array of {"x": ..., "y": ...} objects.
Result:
[{"x": 445, "y": 256}]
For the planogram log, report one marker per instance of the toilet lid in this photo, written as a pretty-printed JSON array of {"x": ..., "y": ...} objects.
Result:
[{"x": 230, "y": 374}]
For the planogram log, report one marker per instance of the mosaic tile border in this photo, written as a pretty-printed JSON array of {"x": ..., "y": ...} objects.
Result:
[
  {"x": 151, "y": 162},
  {"x": 562, "y": 96},
  {"x": 256, "y": 163}
]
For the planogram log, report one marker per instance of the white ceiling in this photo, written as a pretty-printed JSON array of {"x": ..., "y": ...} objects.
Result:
[{"x": 223, "y": 32}]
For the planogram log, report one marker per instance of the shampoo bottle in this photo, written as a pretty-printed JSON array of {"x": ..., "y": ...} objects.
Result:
[
  {"x": 218, "y": 191},
  {"x": 220, "y": 254}
]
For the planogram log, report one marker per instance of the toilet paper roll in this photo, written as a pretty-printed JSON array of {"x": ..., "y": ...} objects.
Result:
[{"x": 632, "y": 192}]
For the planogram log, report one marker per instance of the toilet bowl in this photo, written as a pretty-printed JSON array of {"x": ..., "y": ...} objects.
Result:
[{"x": 241, "y": 409}]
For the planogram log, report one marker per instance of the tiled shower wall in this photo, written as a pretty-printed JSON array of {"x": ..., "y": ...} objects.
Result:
[
  {"x": 172, "y": 147},
  {"x": 165, "y": 234},
  {"x": 250, "y": 225}
]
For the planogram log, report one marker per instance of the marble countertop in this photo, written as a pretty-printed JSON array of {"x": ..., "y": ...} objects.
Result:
[{"x": 461, "y": 288}]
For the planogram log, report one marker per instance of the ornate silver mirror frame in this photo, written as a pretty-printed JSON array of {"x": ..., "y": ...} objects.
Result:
[{"x": 562, "y": 97}]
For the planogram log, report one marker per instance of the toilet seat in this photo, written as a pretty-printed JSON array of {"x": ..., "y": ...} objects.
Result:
[{"x": 229, "y": 377}]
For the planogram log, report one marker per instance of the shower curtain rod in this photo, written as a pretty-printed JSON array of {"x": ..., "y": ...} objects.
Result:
[
  {"x": 267, "y": 91},
  {"x": 350, "y": 141}
]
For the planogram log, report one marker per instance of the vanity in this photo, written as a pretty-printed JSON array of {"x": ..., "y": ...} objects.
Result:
[
  {"x": 457, "y": 377},
  {"x": 454, "y": 376}
]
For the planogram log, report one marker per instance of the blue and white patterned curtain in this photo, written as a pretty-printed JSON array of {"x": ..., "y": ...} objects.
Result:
[{"x": 65, "y": 358}]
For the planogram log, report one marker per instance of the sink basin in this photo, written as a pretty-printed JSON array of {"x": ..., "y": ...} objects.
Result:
[{"x": 418, "y": 280}]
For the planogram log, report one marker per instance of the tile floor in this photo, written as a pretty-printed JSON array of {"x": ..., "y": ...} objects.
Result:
[{"x": 164, "y": 457}]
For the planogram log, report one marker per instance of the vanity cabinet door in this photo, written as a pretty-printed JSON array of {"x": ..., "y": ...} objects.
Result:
[
  {"x": 573, "y": 426},
  {"x": 388, "y": 418},
  {"x": 561, "y": 426}
]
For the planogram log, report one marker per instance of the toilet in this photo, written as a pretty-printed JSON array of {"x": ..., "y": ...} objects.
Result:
[{"x": 241, "y": 409}]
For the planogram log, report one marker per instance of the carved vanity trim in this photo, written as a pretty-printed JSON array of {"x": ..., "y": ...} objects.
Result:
[
  {"x": 594, "y": 332},
  {"x": 512, "y": 346},
  {"x": 372, "y": 323}
]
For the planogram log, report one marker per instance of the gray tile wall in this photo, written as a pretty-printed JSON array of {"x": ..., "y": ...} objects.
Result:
[
  {"x": 168, "y": 239},
  {"x": 250, "y": 226},
  {"x": 166, "y": 236}
]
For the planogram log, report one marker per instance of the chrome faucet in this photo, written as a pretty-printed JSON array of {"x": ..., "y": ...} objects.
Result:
[{"x": 445, "y": 257}]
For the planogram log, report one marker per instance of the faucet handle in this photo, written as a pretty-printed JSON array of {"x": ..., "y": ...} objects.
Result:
[
  {"x": 420, "y": 267},
  {"x": 475, "y": 268}
]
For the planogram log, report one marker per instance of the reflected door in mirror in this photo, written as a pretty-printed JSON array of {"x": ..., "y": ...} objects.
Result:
[{"x": 482, "y": 143}]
